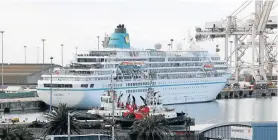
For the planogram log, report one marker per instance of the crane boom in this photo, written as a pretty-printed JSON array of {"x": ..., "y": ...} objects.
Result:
[{"x": 264, "y": 15}]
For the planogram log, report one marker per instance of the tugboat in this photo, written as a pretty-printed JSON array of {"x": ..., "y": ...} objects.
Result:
[
  {"x": 152, "y": 106},
  {"x": 89, "y": 121},
  {"x": 107, "y": 102}
]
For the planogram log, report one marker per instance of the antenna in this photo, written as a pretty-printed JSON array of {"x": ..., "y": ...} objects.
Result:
[
  {"x": 190, "y": 39},
  {"x": 112, "y": 91}
]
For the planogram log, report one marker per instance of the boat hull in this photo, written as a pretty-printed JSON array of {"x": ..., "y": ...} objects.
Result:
[
  {"x": 127, "y": 122},
  {"x": 174, "y": 91}
]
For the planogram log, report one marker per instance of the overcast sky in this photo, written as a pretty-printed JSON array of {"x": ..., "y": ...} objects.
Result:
[{"x": 78, "y": 22}]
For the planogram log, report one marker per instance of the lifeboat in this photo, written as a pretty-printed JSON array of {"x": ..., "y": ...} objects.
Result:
[
  {"x": 131, "y": 64},
  {"x": 208, "y": 66}
]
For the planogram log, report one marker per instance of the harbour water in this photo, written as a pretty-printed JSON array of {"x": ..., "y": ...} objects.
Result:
[{"x": 230, "y": 110}]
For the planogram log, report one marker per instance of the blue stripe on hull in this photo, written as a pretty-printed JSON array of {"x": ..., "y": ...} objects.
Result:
[
  {"x": 190, "y": 102},
  {"x": 92, "y": 89}
]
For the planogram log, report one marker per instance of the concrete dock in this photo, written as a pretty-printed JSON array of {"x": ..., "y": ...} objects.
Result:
[
  {"x": 20, "y": 104},
  {"x": 246, "y": 93}
]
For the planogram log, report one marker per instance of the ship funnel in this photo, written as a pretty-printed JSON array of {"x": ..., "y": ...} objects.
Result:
[
  {"x": 120, "y": 29},
  {"x": 120, "y": 38}
]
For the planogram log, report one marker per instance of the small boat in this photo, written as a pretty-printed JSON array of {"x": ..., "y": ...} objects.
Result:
[
  {"x": 152, "y": 106},
  {"x": 37, "y": 124},
  {"x": 89, "y": 121},
  {"x": 88, "y": 116},
  {"x": 106, "y": 105}
]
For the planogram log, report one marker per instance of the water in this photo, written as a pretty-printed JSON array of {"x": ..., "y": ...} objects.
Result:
[{"x": 231, "y": 110}]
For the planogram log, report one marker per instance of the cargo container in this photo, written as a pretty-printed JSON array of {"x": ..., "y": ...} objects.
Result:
[{"x": 264, "y": 131}]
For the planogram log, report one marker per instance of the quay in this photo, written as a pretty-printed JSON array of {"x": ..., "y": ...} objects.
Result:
[
  {"x": 20, "y": 104},
  {"x": 246, "y": 93}
]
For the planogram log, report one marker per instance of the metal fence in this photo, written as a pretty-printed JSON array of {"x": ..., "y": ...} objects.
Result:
[
  {"x": 121, "y": 134},
  {"x": 175, "y": 137},
  {"x": 38, "y": 132}
]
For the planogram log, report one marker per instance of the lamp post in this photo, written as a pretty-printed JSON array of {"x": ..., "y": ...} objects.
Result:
[
  {"x": 62, "y": 51},
  {"x": 2, "y": 32},
  {"x": 112, "y": 92},
  {"x": 76, "y": 50},
  {"x": 171, "y": 43},
  {"x": 169, "y": 46},
  {"x": 50, "y": 101},
  {"x": 25, "y": 53},
  {"x": 231, "y": 50},
  {"x": 69, "y": 125},
  {"x": 185, "y": 110},
  {"x": 98, "y": 42},
  {"x": 38, "y": 55},
  {"x": 113, "y": 116},
  {"x": 43, "y": 40}
]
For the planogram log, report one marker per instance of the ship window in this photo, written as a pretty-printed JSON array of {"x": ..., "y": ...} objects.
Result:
[
  {"x": 84, "y": 85},
  {"x": 92, "y": 86},
  {"x": 61, "y": 85},
  {"x": 68, "y": 85},
  {"x": 57, "y": 85},
  {"x": 46, "y": 85}
]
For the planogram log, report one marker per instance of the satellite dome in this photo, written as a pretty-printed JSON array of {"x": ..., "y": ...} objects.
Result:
[{"x": 157, "y": 46}]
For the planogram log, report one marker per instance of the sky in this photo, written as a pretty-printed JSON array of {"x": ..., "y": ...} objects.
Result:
[{"x": 76, "y": 23}]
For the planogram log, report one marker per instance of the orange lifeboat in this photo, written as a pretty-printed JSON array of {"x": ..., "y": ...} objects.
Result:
[{"x": 208, "y": 66}]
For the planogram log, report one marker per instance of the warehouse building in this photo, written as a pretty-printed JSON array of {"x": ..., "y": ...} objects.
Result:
[
  {"x": 23, "y": 74},
  {"x": 241, "y": 131}
]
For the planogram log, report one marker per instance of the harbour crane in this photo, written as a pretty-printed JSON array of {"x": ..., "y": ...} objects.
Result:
[{"x": 241, "y": 30}]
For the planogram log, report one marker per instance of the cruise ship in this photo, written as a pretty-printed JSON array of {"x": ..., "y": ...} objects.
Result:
[{"x": 194, "y": 75}]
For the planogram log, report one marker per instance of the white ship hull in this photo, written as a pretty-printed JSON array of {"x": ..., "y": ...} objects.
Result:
[{"x": 174, "y": 91}]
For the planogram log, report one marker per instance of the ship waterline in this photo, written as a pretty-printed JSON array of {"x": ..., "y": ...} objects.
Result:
[{"x": 174, "y": 92}]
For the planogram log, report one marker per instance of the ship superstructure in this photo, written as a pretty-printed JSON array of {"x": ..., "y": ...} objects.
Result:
[{"x": 179, "y": 76}]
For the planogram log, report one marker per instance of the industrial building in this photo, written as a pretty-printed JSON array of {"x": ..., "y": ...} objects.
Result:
[
  {"x": 241, "y": 131},
  {"x": 23, "y": 74}
]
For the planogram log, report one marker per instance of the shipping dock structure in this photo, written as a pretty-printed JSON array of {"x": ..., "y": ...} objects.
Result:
[{"x": 250, "y": 41}]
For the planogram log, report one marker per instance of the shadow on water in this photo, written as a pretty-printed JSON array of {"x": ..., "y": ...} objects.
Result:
[
  {"x": 231, "y": 110},
  {"x": 202, "y": 112}
]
